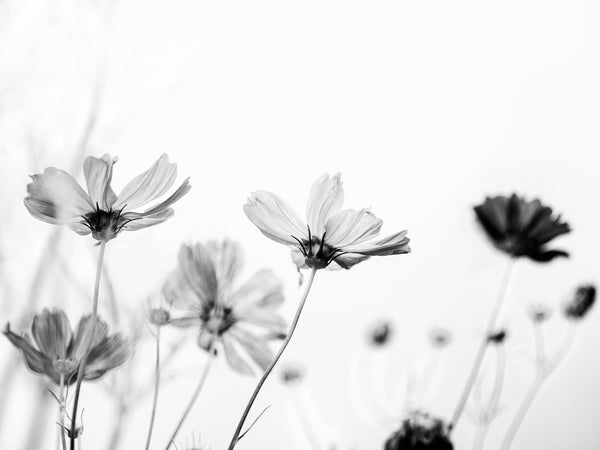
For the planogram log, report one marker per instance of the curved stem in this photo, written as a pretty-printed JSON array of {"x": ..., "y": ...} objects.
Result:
[
  {"x": 88, "y": 347},
  {"x": 211, "y": 357},
  {"x": 495, "y": 312},
  {"x": 156, "y": 386},
  {"x": 286, "y": 341}
]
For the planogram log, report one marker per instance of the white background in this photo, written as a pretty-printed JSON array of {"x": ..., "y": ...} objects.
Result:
[{"x": 425, "y": 107}]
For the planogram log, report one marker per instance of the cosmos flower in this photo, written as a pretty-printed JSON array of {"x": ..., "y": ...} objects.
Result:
[
  {"x": 56, "y": 351},
  {"x": 420, "y": 431},
  {"x": 520, "y": 227},
  {"x": 582, "y": 302},
  {"x": 334, "y": 237},
  {"x": 55, "y": 197},
  {"x": 380, "y": 334},
  {"x": 203, "y": 290}
]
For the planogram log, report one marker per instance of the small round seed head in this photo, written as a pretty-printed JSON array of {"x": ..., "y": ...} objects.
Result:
[
  {"x": 159, "y": 317},
  {"x": 582, "y": 302},
  {"x": 539, "y": 313}
]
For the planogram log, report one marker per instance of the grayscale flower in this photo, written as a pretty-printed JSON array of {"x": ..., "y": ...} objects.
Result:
[
  {"x": 380, "y": 334},
  {"x": 56, "y": 351},
  {"x": 420, "y": 431},
  {"x": 582, "y": 302},
  {"x": 539, "y": 313},
  {"x": 55, "y": 197},
  {"x": 204, "y": 291},
  {"x": 520, "y": 227},
  {"x": 497, "y": 337},
  {"x": 292, "y": 374},
  {"x": 334, "y": 237}
]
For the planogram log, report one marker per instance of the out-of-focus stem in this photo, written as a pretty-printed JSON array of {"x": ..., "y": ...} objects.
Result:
[
  {"x": 156, "y": 387},
  {"x": 61, "y": 413},
  {"x": 305, "y": 422}
]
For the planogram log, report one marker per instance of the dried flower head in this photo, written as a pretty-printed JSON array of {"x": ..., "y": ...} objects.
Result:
[
  {"x": 582, "y": 302},
  {"x": 420, "y": 431},
  {"x": 440, "y": 337},
  {"x": 539, "y": 312},
  {"x": 204, "y": 292},
  {"x": 380, "y": 334},
  {"x": 292, "y": 374},
  {"x": 58, "y": 351},
  {"x": 55, "y": 197},
  {"x": 520, "y": 227},
  {"x": 333, "y": 238},
  {"x": 497, "y": 337}
]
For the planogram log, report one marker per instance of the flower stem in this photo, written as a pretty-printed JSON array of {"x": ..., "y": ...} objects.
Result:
[
  {"x": 307, "y": 426},
  {"x": 61, "y": 415},
  {"x": 88, "y": 347},
  {"x": 286, "y": 341},
  {"x": 495, "y": 312},
  {"x": 156, "y": 385},
  {"x": 203, "y": 375}
]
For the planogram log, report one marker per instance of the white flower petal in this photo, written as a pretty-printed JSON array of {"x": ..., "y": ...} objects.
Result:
[
  {"x": 326, "y": 199},
  {"x": 263, "y": 290},
  {"x": 98, "y": 174},
  {"x": 175, "y": 196},
  {"x": 350, "y": 227},
  {"x": 275, "y": 218},
  {"x": 233, "y": 357},
  {"x": 395, "y": 244},
  {"x": 229, "y": 260},
  {"x": 346, "y": 261},
  {"x": 298, "y": 259},
  {"x": 255, "y": 346},
  {"x": 137, "y": 221},
  {"x": 197, "y": 267}
]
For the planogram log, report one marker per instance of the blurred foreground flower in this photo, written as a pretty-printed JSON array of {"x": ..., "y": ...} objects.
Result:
[
  {"x": 203, "y": 289},
  {"x": 420, "y": 431},
  {"x": 58, "y": 351},
  {"x": 520, "y": 227},
  {"x": 380, "y": 334},
  {"x": 292, "y": 374},
  {"x": 333, "y": 238},
  {"x": 582, "y": 302},
  {"x": 55, "y": 197}
]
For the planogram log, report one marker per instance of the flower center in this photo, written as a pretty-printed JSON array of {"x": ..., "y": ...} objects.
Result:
[
  {"x": 217, "y": 320},
  {"x": 317, "y": 253},
  {"x": 105, "y": 225}
]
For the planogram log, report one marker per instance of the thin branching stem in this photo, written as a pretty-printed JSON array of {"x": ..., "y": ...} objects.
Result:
[{"x": 156, "y": 387}]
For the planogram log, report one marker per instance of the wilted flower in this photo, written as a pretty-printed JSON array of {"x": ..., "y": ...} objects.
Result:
[
  {"x": 58, "y": 351},
  {"x": 55, "y": 197},
  {"x": 292, "y": 374},
  {"x": 333, "y": 238},
  {"x": 380, "y": 334},
  {"x": 520, "y": 227},
  {"x": 420, "y": 431},
  {"x": 497, "y": 337},
  {"x": 203, "y": 289},
  {"x": 539, "y": 312},
  {"x": 440, "y": 337},
  {"x": 584, "y": 299}
]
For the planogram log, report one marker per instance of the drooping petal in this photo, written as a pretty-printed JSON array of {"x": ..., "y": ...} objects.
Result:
[
  {"x": 326, "y": 199},
  {"x": 351, "y": 227},
  {"x": 52, "y": 334},
  {"x": 98, "y": 174},
  {"x": 183, "y": 189},
  {"x": 233, "y": 357},
  {"x": 132, "y": 221},
  {"x": 275, "y": 218},
  {"x": 35, "y": 360},
  {"x": 110, "y": 352},
  {"x": 395, "y": 244},
  {"x": 547, "y": 255},
  {"x": 148, "y": 185},
  {"x": 83, "y": 334},
  {"x": 256, "y": 347}
]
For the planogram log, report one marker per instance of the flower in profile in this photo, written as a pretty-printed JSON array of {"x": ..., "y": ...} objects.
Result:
[
  {"x": 420, "y": 431},
  {"x": 539, "y": 312},
  {"x": 333, "y": 238},
  {"x": 520, "y": 227},
  {"x": 582, "y": 302},
  {"x": 440, "y": 337},
  {"x": 56, "y": 351},
  {"x": 380, "y": 334},
  {"x": 55, "y": 197},
  {"x": 497, "y": 337},
  {"x": 204, "y": 290}
]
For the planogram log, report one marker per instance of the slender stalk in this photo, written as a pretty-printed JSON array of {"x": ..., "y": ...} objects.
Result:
[
  {"x": 307, "y": 426},
  {"x": 156, "y": 386},
  {"x": 203, "y": 375},
  {"x": 61, "y": 414},
  {"x": 117, "y": 432},
  {"x": 286, "y": 341},
  {"x": 88, "y": 347},
  {"x": 495, "y": 312}
]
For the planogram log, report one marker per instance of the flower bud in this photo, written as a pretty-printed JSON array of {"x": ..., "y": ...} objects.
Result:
[
  {"x": 159, "y": 317},
  {"x": 497, "y": 337},
  {"x": 380, "y": 334},
  {"x": 584, "y": 298}
]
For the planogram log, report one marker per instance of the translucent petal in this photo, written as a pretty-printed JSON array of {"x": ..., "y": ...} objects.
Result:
[
  {"x": 326, "y": 199},
  {"x": 98, "y": 174}
]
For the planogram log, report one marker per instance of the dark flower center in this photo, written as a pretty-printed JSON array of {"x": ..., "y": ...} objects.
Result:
[
  {"x": 317, "y": 253},
  {"x": 217, "y": 320},
  {"x": 105, "y": 225}
]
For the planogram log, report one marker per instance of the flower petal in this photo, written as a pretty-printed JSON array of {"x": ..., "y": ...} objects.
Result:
[
  {"x": 346, "y": 261},
  {"x": 547, "y": 255},
  {"x": 132, "y": 221},
  {"x": 51, "y": 332},
  {"x": 351, "y": 227},
  {"x": 275, "y": 218},
  {"x": 175, "y": 196},
  {"x": 326, "y": 199},
  {"x": 233, "y": 357},
  {"x": 35, "y": 360},
  {"x": 395, "y": 244},
  {"x": 83, "y": 334},
  {"x": 229, "y": 260},
  {"x": 98, "y": 174},
  {"x": 263, "y": 290},
  {"x": 185, "y": 321},
  {"x": 110, "y": 352},
  {"x": 198, "y": 272},
  {"x": 255, "y": 346}
]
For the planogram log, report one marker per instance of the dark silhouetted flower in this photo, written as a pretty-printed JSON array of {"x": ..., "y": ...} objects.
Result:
[
  {"x": 420, "y": 431},
  {"x": 582, "y": 301},
  {"x": 334, "y": 238},
  {"x": 520, "y": 227},
  {"x": 58, "y": 351},
  {"x": 203, "y": 290},
  {"x": 55, "y": 197},
  {"x": 380, "y": 334},
  {"x": 292, "y": 374},
  {"x": 497, "y": 337},
  {"x": 440, "y": 337},
  {"x": 539, "y": 312}
]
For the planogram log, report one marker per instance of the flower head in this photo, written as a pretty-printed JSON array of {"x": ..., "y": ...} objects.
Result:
[
  {"x": 420, "y": 431},
  {"x": 292, "y": 374},
  {"x": 333, "y": 238},
  {"x": 497, "y": 337},
  {"x": 203, "y": 290},
  {"x": 582, "y": 302},
  {"x": 56, "y": 351},
  {"x": 380, "y": 334},
  {"x": 520, "y": 227},
  {"x": 539, "y": 312},
  {"x": 55, "y": 197}
]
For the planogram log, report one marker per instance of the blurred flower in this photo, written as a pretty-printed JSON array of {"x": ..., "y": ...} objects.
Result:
[
  {"x": 55, "y": 197},
  {"x": 497, "y": 337},
  {"x": 292, "y": 374},
  {"x": 520, "y": 227},
  {"x": 159, "y": 317},
  {"x": 440, "y": 337},
  {"x": 539, "y": 312},
  {"x": 203, "y": 289},
  {"x": 58, "y": 351},
  {"x": 583, "y": 300},
  {"x": 333, "y": 238},
  {"x": 380, "y": 334},
  {"x": 420, "y": 431}
]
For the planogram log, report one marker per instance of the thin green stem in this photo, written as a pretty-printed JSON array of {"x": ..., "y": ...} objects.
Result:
[
  {"x": 286, "y": 341},
  {"x": 88, "y": 347},
  {"x": 156, "y": 386},
  {"x": 495, "y": 312}
]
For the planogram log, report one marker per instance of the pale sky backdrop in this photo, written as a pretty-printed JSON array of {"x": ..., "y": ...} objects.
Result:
[{"x": 425, "y": 107}]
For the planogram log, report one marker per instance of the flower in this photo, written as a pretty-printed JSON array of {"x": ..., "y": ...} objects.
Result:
[
  {"x": 520, "y": 227},
  {"x": 333, "y": 238},
  {"x": 497, "y": 337},
  {"x": 582, "y": 302},
  {"x": 420, "y": 431},
  {"x": 292, "y": 374},
  {"x": 58, "y": 351},
  {"x": 159, "y": 317},
  {"x": 539, "y": 313},
  {"x": 380, "y": 334},
  {"x": 55, "y": 197},
  {"x": 203, "y": 289}
]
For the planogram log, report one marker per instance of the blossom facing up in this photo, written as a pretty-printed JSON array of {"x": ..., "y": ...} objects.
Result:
[
  {"x": 420, "y": 431},
  {"x": 521, "y": 228},
  {"x": 55, "y": 197},
  {"x": 332, "y": 237},
  {"x": 582, "y": 302},
  {"x": 56, "y": 351},
  {"x": 380, "y": 334},
  {"x": 204, "y": 293}
]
